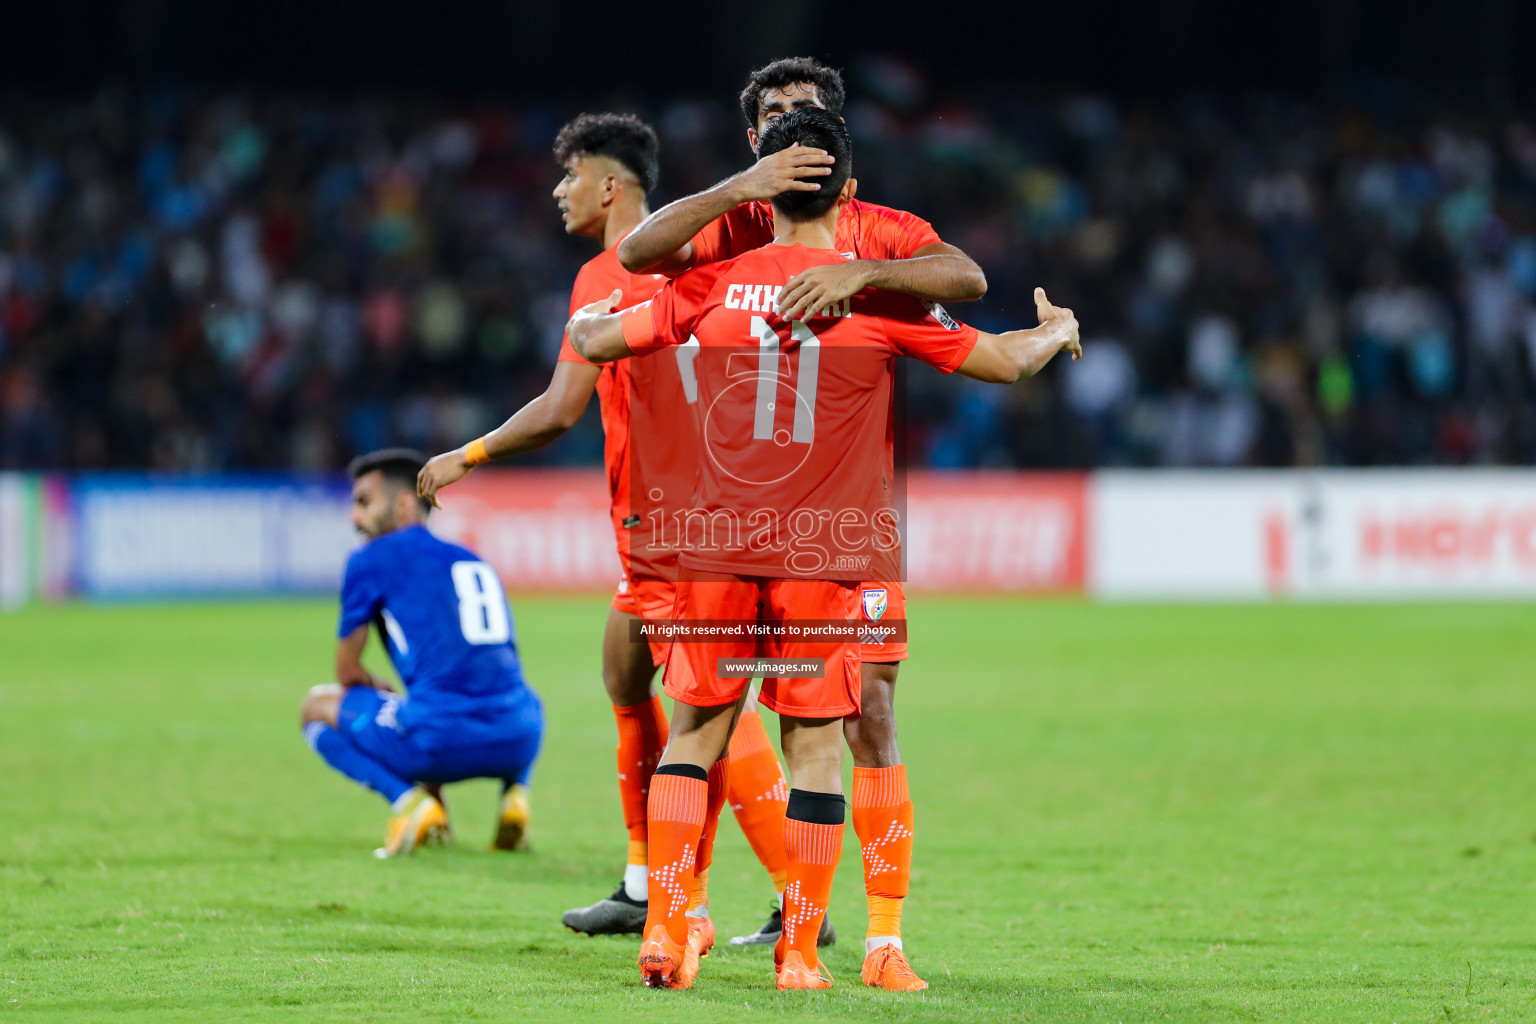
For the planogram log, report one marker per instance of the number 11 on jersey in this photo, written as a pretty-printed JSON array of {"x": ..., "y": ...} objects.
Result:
[{"x": 769, "y": 378}]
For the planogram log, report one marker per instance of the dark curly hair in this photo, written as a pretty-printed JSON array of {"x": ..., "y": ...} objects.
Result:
[
  {"x": 621, "y": 137},
  {"x": 821, "y": 129},
  {"x": 788, "y": 71}
]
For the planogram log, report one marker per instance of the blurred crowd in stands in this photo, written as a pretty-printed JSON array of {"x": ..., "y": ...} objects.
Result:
[{"x": 207, "y": 282}]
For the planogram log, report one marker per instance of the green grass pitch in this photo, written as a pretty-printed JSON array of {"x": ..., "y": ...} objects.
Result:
[{"x": 1292, "y": 813}]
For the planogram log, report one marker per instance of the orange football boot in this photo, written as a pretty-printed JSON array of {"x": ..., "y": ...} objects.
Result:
[
  {"x": 795, "y": 974},
  {"x": 701, "y": 935},
  {"x": 886, "y": 967},
  {"x": 666, "y": 964}
]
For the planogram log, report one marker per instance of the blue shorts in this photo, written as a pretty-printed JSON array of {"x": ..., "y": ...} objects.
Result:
[{"x": 370, "y": 722}]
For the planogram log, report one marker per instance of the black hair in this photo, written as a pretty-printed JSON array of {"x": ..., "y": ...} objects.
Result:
[
  {"x": 621, "y": 137},
  {"x": 788, "y": 71},
  {"x": 820, "y": 129},
  {"x": 399, "y": 466}
]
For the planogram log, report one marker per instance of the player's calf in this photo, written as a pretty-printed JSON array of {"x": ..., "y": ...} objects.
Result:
[{"x": 871, "y": 734}]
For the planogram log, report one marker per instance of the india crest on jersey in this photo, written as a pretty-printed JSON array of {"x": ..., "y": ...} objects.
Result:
[{"x": 874, "y": 603}]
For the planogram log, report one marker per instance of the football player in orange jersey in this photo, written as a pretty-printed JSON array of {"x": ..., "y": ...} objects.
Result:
[
  {"x": 609, "y": 162},
  {"x": 826, "y": 470},
  {"x": 892, "y": 250}
]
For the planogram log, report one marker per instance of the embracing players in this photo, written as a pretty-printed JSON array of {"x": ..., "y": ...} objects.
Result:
[
  {"x": 793, "y": 457},
  {"x": 887, "y": 249},
  {"x": 442, "y": 616},
  {"x": 650, "y": 456},
  {"x": 610, "y": 164}
]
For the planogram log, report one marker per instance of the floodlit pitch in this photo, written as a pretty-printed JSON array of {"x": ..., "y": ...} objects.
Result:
[{"x": 1292, "y": 813}]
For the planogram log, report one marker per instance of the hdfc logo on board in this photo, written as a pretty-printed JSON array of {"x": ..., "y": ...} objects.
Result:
[
  {"x": 1412, "y": 533},
  {"x": 1450, "y": 539}
]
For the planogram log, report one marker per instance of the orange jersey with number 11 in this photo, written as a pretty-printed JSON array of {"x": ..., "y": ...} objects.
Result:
[{"x": 794, "y": 480}]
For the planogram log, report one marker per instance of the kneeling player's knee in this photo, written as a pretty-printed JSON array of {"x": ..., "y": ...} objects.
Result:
[{"x": 321, "y": 704}]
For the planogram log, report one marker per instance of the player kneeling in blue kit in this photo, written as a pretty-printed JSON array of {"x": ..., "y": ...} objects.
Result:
[{"x": 443, "y": 618}]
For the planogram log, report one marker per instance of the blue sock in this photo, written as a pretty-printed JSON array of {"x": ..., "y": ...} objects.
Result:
[{"x": 353, "y": 763}]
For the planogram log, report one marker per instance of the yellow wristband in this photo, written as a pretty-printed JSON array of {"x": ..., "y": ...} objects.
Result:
[{"x": 475, "y": 453}]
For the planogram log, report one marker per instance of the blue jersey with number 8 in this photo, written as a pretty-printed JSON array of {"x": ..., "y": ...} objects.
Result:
[{"x": 443, "y": 617}]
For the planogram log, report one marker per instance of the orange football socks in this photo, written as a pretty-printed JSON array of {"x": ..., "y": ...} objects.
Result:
[
  {"x": 758, "y": 794},
  {"x": 675, "y": 808},
  {"x": 814, "y": 849},
  {"x": 718, "y": 772},
  {"x": 882, "y": 818},
  {"x": 642, "y": 737}
]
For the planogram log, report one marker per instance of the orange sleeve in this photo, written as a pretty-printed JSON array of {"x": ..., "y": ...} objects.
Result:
[
  {"x": 894, "y": 234},
  {"x": 922, "y": 330},
  {"x": 641, "y": 332},
  {"x": 670, "y": 317},
  {"x": 739, "y": 231}
]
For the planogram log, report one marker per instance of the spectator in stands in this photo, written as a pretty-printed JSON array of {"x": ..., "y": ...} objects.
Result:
[{"x": 233, "y": 282}]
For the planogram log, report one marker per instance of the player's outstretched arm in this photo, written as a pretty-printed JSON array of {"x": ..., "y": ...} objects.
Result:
[
  {"x": 598, "y": 333},
  {"x": 533, "y": 426},
  {"x": 349, "y": 662},
  {"x": 938, "y": 272},
  {"x": 663, "y": 243},
  {"x": 1005, "y": 358}
]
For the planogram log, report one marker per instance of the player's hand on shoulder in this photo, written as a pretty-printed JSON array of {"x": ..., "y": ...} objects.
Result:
[
  {"x": 784, "y": 171},
  {"x": 586, "y": 322},
  {"x": 1060, "y": 324},
  {"x": 439, "y": 472},
  {"x": 818, "y": 287},
  {"x": 602, "y": 307}
]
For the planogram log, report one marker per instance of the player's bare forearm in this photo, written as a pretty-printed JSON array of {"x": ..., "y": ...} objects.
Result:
[
  {"x": 938, "y": 272},
  {"x": 349, "y": 659},
  {"x": 533, "y": 426},
  {"x": 947, "y": 276},
  {"x": 599, "y": 337},
  {"x": 663, "y": 241},
  {"x": 597, "y": 332},
  {"x": 1029, "y": 351},
  {"x": 1006, "y": 358},
  {"x": 547, "y": 417}
]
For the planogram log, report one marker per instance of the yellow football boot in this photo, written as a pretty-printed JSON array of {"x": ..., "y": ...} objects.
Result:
[
  {"x": 422, "y": 820},
  {"x": 512, "y": 826}
]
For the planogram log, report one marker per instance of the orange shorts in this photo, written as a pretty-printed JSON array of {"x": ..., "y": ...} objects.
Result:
[
  {"x": 650, "y": 599},
  {"x": 883, "y": 602},
  {"x": 692, "y": 675}
]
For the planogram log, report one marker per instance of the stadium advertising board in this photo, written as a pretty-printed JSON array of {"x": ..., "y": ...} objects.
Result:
[
  {"x": 997, "y": 531},
  {"x": 138, "y": 536},
  {"x": 540, "y": 529},
  {"x": 1322, "y": 534},
  {"x": 1118, "y": 535},
  {"x": 983, "y": 532},
  {"x": 1430, "y": 533}
]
